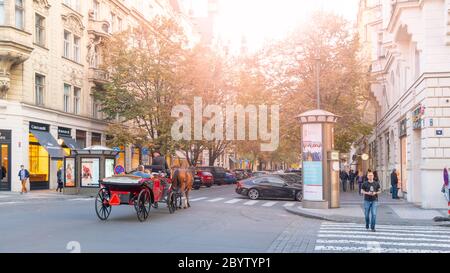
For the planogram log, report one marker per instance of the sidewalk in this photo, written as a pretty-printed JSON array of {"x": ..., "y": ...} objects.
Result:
[{"x": 390, "y": 212}]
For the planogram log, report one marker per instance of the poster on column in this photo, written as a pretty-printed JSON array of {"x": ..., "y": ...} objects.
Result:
[
  {"x": 312, "y": 161},
  {"x": 90, "y": 172},
  {"x": 70, "y": 172}
]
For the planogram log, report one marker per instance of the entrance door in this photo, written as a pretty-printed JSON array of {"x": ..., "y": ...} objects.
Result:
[
  {"x": 5, "y": 173},
  {"x": 403, "y": 179}
]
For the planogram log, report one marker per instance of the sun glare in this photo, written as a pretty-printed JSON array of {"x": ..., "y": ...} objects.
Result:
[{"x": 263, "y": 20}]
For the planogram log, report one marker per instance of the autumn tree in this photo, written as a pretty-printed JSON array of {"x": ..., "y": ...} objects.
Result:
[
  {"x": 290, "y": 67},
  {"x": 144, "y": 72}
]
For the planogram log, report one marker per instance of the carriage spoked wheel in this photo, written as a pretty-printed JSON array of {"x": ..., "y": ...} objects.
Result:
[
  {"x": 102, "y": 206},
  {"x": 143, "y": 204},
  {"x": 171, "y": 202}
]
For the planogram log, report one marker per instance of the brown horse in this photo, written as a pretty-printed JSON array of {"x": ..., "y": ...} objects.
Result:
[{"x": 182, "y": 181}]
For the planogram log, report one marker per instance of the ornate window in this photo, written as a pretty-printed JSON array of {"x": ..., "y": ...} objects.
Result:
[
  {"x": 67, "y": 36},
  {"x": 2, "y": 12},
  {"x": 39, "y": 89},
  {"x": 76, "y": 49},
  {"x": 19, "y": 8},
  {"x": 76, "y": 100},
  {"x": 40, "y": 29},
  {"x": 67, "y": 89}
]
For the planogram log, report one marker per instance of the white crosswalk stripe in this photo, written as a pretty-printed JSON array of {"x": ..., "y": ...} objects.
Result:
[
  {"x": 290, "y": 204},
  {"x": 350, "y": 237},
  {"x": 81, "y": 199},
  {"x": 197, "y": 199},
  {"x": 269, "y": 204},
  {"x": 216, "y": 199},
  {"x": 10, "y": 203},
  {"x": 233, "y": 201},
  {"x": 251, "y": 203}
]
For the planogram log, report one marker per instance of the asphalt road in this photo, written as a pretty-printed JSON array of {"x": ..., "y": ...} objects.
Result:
[
  {"x": 218, "y": 221},
  {"x": 53, "y": 224}
]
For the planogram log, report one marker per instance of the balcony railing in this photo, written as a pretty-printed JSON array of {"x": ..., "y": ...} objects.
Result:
[{"x": 98, "y": 75}]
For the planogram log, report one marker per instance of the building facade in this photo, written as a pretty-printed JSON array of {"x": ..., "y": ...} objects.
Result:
[
  {"x": 408, "y": 46},
  {"x": 50, "y": 54}
]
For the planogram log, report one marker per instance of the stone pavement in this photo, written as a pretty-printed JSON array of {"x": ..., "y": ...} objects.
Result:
[{"x": 390, "y": 211}]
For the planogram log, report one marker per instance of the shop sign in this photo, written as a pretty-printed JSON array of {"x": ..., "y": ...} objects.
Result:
[
  {"x": 417, "y": 118},
  {"x": 39, "y": 127},
  {"x": 5, "y": 135},
  {"x": 62, "y": 131}
]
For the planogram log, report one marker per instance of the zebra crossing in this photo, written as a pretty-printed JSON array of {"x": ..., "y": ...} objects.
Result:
[
  {"x": 350, "y": 237},
  {"x": 244, "y": 202}
]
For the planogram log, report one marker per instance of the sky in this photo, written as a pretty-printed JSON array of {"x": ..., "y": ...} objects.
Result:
[{"x": 260, "y": 20}]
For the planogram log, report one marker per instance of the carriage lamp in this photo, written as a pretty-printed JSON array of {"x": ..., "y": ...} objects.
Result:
[{"x": 60, "y": 141}]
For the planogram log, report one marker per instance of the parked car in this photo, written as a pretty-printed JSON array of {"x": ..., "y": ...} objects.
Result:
[
  {"x": 206, "y": 178},
  {"x": 297, "y": 171},
  {"x": 230, "y": 178},
  {"x": 218, "y": 173},
  {"x": 259, "y": 173},
  {"x": 269, "y": 186},
  {"x": 240, "y": 174},
  {"x": 290, "y": 177}
]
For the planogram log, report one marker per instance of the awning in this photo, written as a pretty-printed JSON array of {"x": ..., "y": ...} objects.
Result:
[
  {"x": 233, "y": 159},
  {"x": 49, "y": 143},
  {"x": 70, "y": 142}
]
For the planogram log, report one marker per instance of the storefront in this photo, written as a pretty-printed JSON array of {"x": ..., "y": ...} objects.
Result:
[
  {"x": 5, "y": 160},
  {"x": 43, "y": 148},
  {"x": 120, "y": 157},
  {"x": 403, "y": 153}
]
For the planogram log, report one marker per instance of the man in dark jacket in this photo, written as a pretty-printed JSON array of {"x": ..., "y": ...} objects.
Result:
[
  {"x": 159, "y": 163},
  {"x": 24, "y": 174},
  {"x": 60, "y": 179},
  {"x": 394, "y": 184}
]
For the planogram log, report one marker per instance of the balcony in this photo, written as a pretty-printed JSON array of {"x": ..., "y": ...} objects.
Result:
[
  {"x": 98, "y": 76},
  {"x": 98, "y": 28},
  {"x": 15, "y": 47}
]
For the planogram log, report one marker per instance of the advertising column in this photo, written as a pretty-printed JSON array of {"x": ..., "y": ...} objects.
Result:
[{"x": 312, "y": 162}]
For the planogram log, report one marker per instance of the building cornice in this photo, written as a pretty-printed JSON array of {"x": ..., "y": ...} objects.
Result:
[
  {"x": 63, "y": 114},
  {"x": 416, "y": 83},
  {"x": 121, "y": 6},
  {"x": 398, "y": 8}
]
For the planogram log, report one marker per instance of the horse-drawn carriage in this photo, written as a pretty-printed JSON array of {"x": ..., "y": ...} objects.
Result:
[{"x": 142, "y": 193}]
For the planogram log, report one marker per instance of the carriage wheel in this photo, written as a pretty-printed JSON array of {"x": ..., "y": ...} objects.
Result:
[
  {"x": 143, "y": 204},
  {"x": 171, "y": 203},
  {"x": 102, "y": 206}
]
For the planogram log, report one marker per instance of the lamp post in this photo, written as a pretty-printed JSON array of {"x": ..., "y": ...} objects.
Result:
[{"x": 318, "y": 81}]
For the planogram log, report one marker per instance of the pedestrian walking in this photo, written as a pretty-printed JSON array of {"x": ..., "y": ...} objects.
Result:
[
  {"x": 60, "y": 180},
  {"x": 375, "y": 176},
  {"x": 24, "y": 174},
  {"x": 445, "y": 180},
  {"x": 352, "y": 180},
  {"x": 360, "y": 180},
  {"x": 344, "y": 178},
  {"x": 3, "y": 173},
  {"x": 371, "y": 189},
  {"x": 394, "y": 184}
]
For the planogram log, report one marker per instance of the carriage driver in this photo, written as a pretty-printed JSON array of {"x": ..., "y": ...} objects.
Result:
[{"x": 159, "y": 163}]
